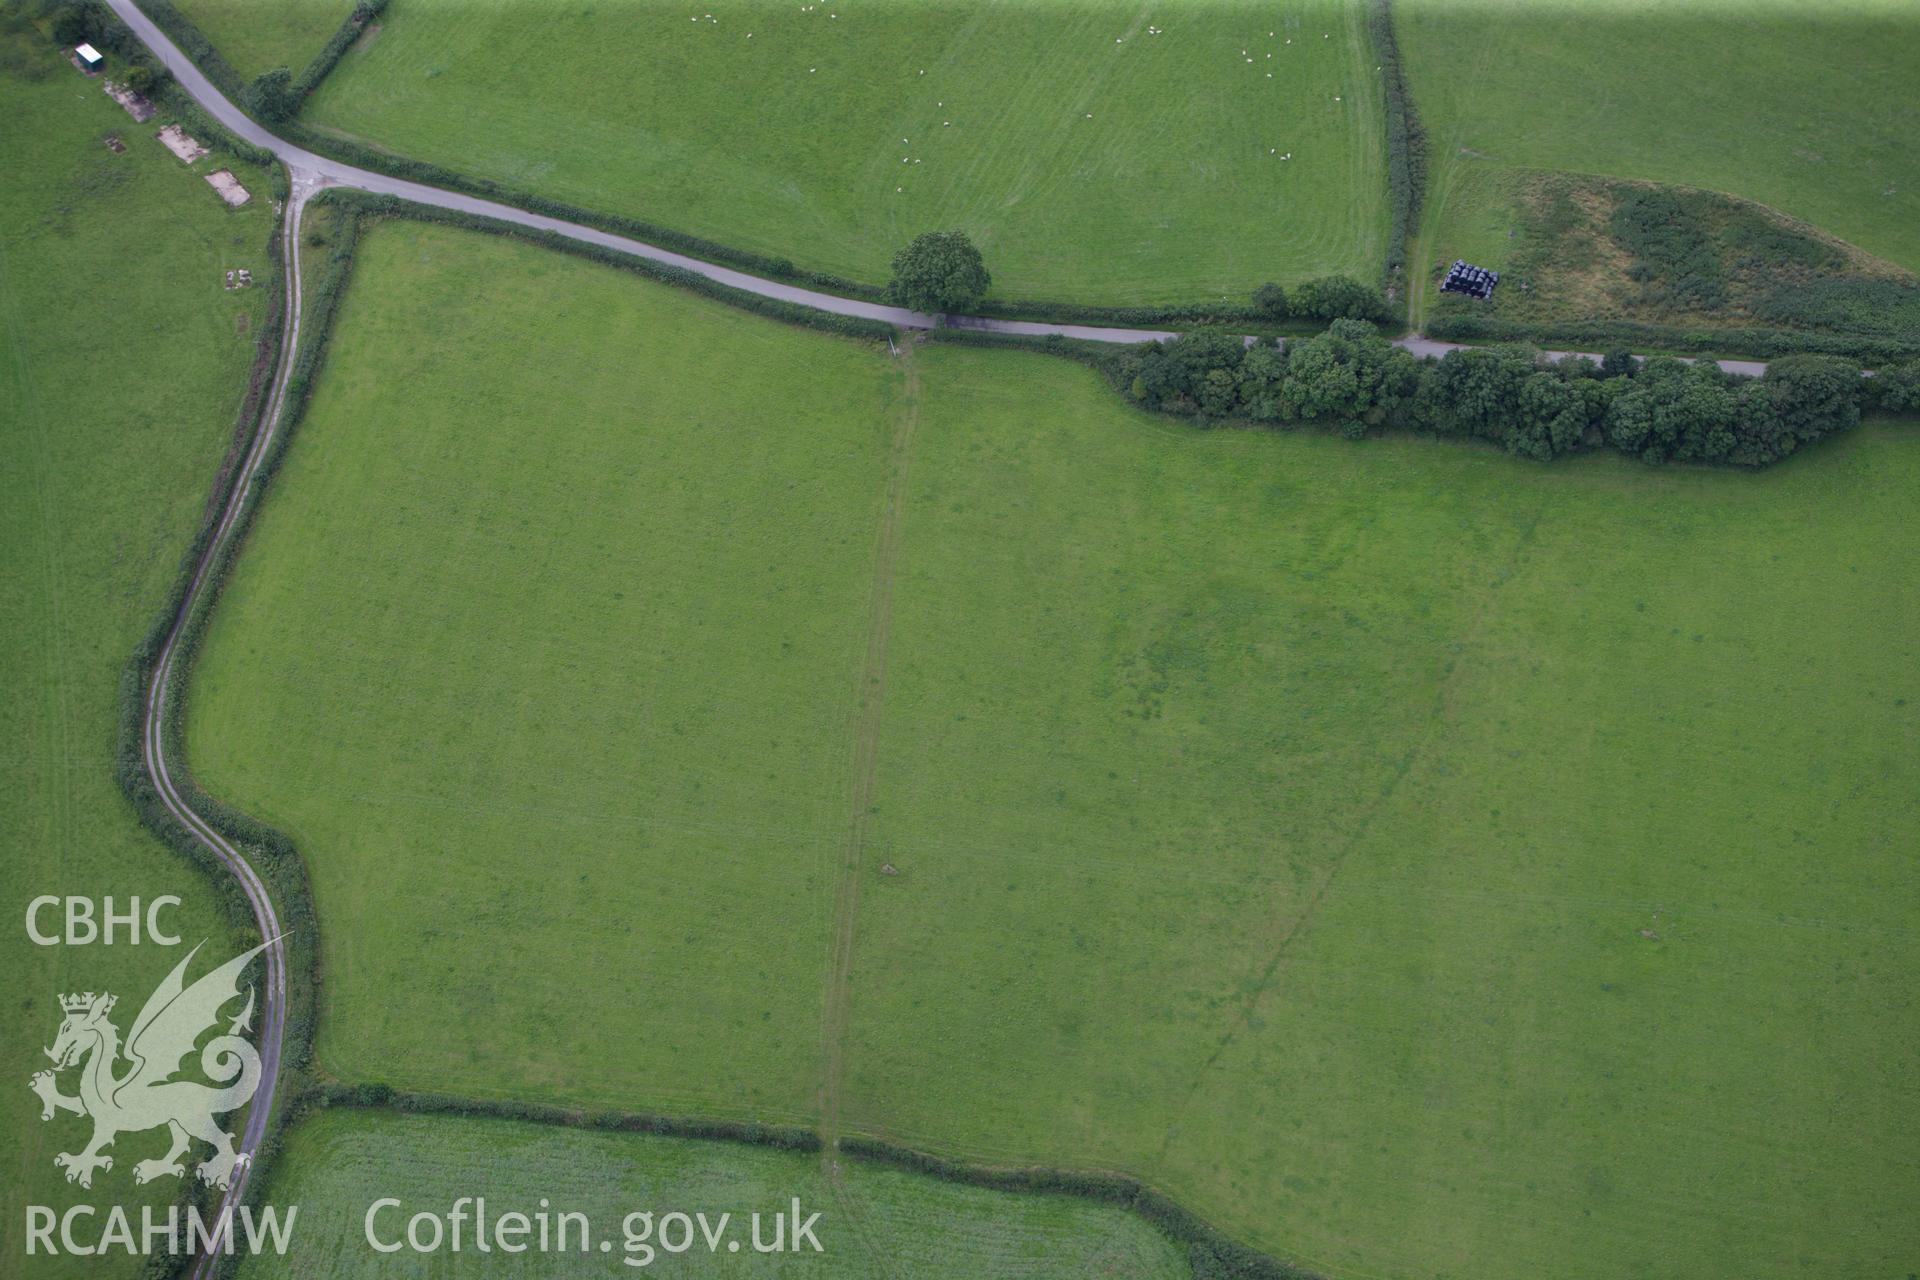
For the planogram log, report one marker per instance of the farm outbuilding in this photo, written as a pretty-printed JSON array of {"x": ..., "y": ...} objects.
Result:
[
  {"x": 1475, "y": 282},
  {"x": 89, "y": 58}
]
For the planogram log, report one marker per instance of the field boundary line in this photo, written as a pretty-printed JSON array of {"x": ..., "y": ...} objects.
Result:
[
  {"x": 764, "y": 277},
  {"x": 869, "y": 708},
  {"x": 176, "y": 817}
]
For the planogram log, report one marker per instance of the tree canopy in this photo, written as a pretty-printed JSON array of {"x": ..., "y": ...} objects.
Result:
[
  {"x": 941, "y": 271},
  {"x": 1353, "y": 380}
]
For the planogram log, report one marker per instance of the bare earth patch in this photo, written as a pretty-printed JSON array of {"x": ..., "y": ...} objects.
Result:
[
  {"x": 229, "y": 187},
  {"x": 176, "y": 140},
  {"x": 136, "y": 106}
]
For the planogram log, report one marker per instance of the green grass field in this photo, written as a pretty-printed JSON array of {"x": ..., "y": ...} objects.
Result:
[
  {"x": 879, "y": 1223},
  {"x": 122, "y": 362},
  {"x": 1416, "y": 860},
  {"x": 1093, "y": 161},
  {"x": 1807, "y": 109},
  {"x": 256, "y": 37},
  {"x": 594, "y": 826},
  {"x": 1420, "y": 861}
]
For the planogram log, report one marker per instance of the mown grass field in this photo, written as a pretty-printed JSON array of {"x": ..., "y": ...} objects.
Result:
[
  {"x": 1808, "y": 109},
  {"x": 1091, "y": 160},
  {"x": 879, "y": 1223},
  {"x": 1415, "y": 860},
  {"x": 121, "y": 369},
  {"x": 256, "y": 37},
  {"x": 539, "y": 570}
]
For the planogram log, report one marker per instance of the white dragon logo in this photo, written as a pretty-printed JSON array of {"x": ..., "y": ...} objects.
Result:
[{"x": 146, "y": 1095}]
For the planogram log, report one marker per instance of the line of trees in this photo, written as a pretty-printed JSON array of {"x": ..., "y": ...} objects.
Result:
[
  {"x": 1352, "y": 380},
  {"x": 1328, "y": 298}
]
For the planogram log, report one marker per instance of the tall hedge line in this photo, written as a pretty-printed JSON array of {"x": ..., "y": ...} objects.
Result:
[
  {"x": 787, "y": 1137},
  {"x": 1406, "y": 142},
  {"x": 183, "y": 33},
  {"x": 196, "y": 46},
  {"x": 357, "y": 153},
  {"x": 1129, "y": 317},
  {"x": 1099, "y": 355},
  {"x": 180, "y": 29},
  {"x": 351, "y": 28},
  {"x": 790, "y": 312},
  {"x": 270, "y": 853},
  {"x": 1760, "y": 344},
  {"x": 1214, "y": 1256}
]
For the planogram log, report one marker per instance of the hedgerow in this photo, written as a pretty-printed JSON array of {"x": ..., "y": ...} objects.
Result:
[
  {"x": 1873, "y": 308},
  {"x": 1212, "y": 1255},
  {"x": 271, "y": 854},
  {"x": 1896, "y": 388},
  {"x": 1760, "y": 344},
  {"x": 789, "y": 312},
  {"x": 1352, "y": 380},
  {"x": 1406, "y": 143},
  {"x": 180, "y": 29},
  {"x": 764, "y": 265},
  {"x": 370, "y": 1096},
  {"x": 693, "y": 246},
  {"x": 336, "y": 47},
  {"x": 1132, "y": 317}
]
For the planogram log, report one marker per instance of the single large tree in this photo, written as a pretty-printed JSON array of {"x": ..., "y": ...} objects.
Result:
[{"x": 940, "y": 271}]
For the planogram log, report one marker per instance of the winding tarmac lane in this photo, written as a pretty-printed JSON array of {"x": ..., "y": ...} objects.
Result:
[
  {"x": 322, "y": 171},
  {"x": 153, "y": 744},
  {"x": 310, "y": 173}
]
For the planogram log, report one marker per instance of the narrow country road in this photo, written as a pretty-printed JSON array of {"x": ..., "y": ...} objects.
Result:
[
  {"x": 310, "y": 173},
  {"x": 320, "y": 171},
  {"x": 273, "y": 1012}
]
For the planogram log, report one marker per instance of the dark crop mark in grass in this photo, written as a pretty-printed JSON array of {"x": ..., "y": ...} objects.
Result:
[
  {"x": 870, "y": 702},
  {"x": 1251, "y": 999}
]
